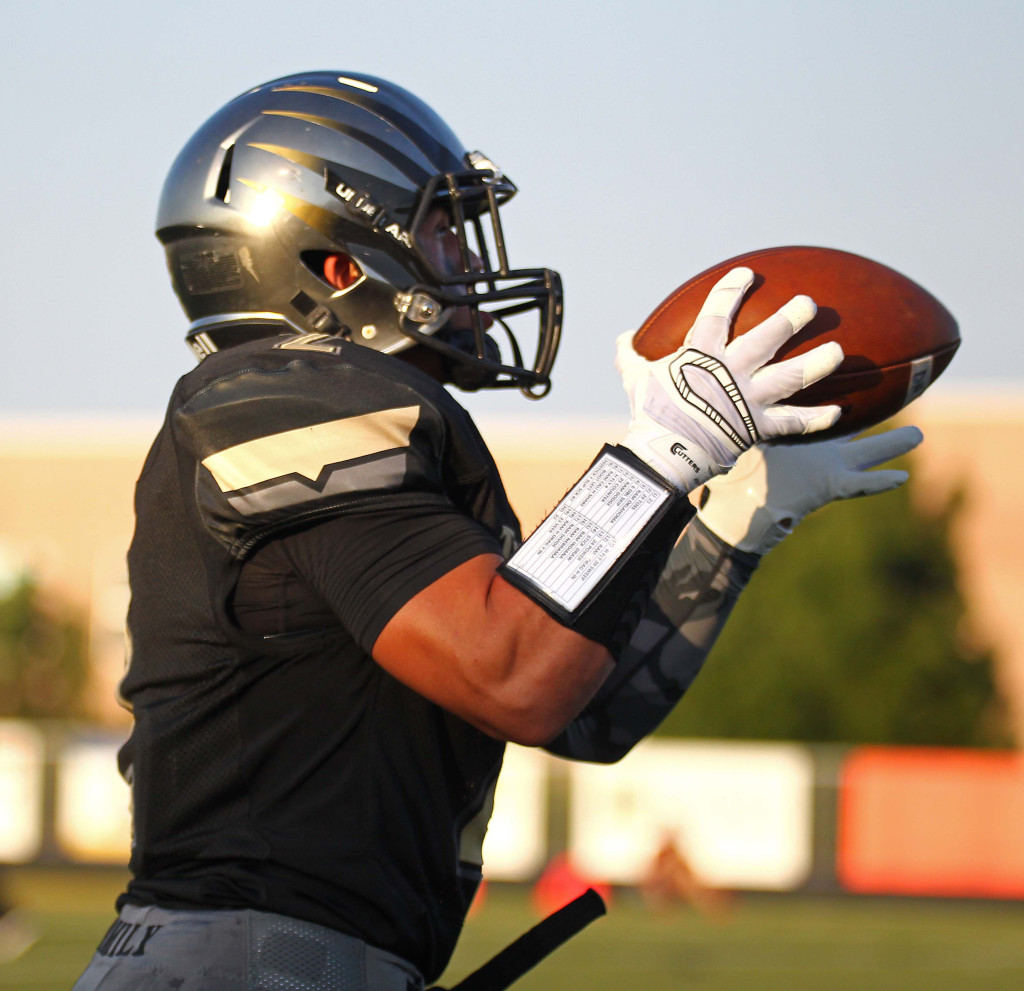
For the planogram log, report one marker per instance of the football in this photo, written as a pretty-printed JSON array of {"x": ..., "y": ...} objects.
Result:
[{"x": 896, "y": 337}]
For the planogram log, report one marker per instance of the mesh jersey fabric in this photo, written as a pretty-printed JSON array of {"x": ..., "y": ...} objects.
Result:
[
  {"x": 292, "y": 774},
  {"x": 304, "y": 580}
]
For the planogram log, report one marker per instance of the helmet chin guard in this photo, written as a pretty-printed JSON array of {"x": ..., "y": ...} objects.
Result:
[{"x": 328, "y": 163}]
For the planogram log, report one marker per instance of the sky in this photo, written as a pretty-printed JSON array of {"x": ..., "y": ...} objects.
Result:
[{"x": 649, "y": 141}]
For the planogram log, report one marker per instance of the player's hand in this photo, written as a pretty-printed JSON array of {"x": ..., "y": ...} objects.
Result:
[
  {"x": 696, "y": 410},
  {"x": 774, "y": 486}
]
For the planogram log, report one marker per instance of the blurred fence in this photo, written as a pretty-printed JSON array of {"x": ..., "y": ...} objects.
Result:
[{"x": 746, "y": 816}]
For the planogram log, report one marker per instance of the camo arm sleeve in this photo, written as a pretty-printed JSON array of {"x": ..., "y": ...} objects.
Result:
[{"x": 691, "y": 602}]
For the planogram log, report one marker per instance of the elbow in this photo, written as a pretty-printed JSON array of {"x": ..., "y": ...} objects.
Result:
[
  {"x": 527, "y": 738},
  {"x": 528, "y": 714},
  {"x": 533, "y": 705},
  {"x": 539, "y": 735},
  {"x": 528, "y": 691},
  {"x": 530, "y": 726}
]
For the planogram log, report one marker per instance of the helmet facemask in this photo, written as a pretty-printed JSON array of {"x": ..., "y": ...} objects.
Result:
[{"x": 484, "y": 286}]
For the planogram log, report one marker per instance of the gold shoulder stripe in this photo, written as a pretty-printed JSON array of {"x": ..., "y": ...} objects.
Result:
[{"x": 308, "y": 450}]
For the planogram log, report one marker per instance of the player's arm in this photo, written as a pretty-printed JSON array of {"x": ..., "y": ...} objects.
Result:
[
  {"x": 690, "y": 605},
  {"x": 518, "y": 648},
  {"x": 478, "y": 647},
  {"x": 745, "y": 514}
]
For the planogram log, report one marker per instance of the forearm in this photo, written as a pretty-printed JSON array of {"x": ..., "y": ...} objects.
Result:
[
  {"x": 518, "y": 648},
  {"x": 694, "y": 596}
]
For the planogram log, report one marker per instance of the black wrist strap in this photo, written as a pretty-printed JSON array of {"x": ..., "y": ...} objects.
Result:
[
  {"x": 593, "y": 562},
  {"x": 527, "y": 951}
]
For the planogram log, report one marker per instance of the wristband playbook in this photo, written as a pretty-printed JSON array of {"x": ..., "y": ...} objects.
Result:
[{"x": 593, "y": 562}]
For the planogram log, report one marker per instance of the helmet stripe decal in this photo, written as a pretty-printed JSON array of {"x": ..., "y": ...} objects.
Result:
[
  {"x": 416, "y": 172},
  {"x": 309, "y": 213},
  {"x": 325, "y": 169},
  {"x": 442, "y": 159},
  {"x": 312, "y": 162}
]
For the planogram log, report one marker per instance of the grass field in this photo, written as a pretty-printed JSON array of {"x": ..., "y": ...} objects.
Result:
[{"x": 768, "y": 944}]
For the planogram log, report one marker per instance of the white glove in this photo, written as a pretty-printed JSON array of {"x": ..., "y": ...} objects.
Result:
[
  {"x": 774, "y": 486},
  {"x": 696, "y": 410}
]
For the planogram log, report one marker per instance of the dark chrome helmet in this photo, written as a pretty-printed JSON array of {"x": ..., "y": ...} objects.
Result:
[{"x": 321, "y": 163}]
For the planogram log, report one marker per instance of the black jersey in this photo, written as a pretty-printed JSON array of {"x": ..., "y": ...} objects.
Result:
[{"x": 284, "y": 770}]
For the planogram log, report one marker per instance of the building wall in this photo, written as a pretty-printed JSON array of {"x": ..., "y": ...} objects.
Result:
[
  {"x": 66, "y": 494},
  {"x": 973, "y": 443},
  {"x": 66, "y": 489}
]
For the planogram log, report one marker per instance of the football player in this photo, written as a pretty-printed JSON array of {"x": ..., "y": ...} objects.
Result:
[{"x": 335, "y": 626}]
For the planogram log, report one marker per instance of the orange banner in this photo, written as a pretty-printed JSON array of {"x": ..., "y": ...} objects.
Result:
[{"x": 932, "y": 822}]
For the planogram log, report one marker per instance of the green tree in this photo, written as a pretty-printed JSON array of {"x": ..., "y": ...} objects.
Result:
[
  {"x": 852, "y": 630},
  {"x": 43, "y": 657}
]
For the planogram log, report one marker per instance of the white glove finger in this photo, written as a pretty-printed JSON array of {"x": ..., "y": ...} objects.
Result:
[
  {"x": 781, "y": 421},
  {"x": 759, "y": 344},
  {"x": 710, "y": 330},
  {"x": 866, "y": 452},
  {"x": 774, "y": 382},
  {"x": 864, "y": 483}
]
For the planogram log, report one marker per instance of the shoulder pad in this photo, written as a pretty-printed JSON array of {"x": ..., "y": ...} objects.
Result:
[{"x": 274, "y": 439}]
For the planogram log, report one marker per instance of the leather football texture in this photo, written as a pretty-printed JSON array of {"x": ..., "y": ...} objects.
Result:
[{"x": 897, "y": 338}]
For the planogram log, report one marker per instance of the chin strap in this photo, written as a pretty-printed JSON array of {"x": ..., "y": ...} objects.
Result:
[{"x": 533, "y": 946}]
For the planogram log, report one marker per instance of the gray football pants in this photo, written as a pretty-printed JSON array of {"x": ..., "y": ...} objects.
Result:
[{"x": 149, "y": 948}]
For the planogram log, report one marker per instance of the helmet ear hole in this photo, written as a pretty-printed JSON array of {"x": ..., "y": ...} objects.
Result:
[{"x": 341, "y": 271}]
